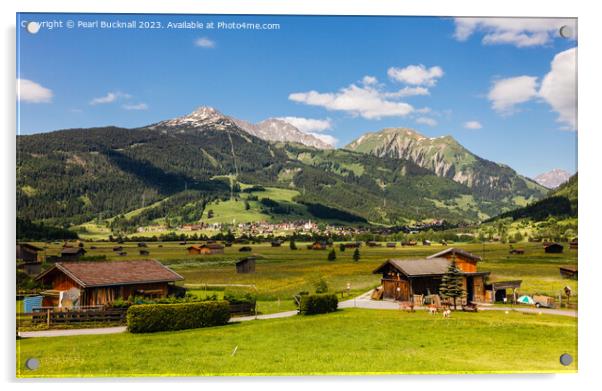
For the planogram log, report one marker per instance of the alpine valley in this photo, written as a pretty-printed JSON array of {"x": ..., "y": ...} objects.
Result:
[{"x": 210, "y": 167}]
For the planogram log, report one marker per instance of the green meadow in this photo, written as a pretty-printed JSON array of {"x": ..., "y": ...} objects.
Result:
[
  {"x": 350, "y": 341},
  {"x": 282, "y": 272}
]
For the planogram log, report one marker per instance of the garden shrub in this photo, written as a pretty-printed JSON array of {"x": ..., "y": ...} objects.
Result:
[
  {"x": 318, "y": 304},
  {"x": 148, "y": 318}
]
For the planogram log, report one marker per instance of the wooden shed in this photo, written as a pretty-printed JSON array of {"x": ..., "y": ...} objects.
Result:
[
  {"x": 246, "y": 265},
  {"x": 568, "y": 272},
  {"x": 28, "y": 252},
  {"x": 206, "y": 249},
  {"x": 276, "y": 243},
  {"x": 318, "y": 246},
  {"x": 498, "y": 290},
  {"x": 401, "y": 279},
  {"x": 553, "y": 248},
  {"x": 100, "y": 283},
  {"x": 573, "y": 244}
]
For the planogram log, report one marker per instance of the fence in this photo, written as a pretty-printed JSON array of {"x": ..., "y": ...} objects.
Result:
[{"x": 51, "y": 317}]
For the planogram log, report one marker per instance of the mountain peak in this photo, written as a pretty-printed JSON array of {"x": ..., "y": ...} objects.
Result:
[
  {"x": 553, "y": 178},
  {"x": 200, "y": 118},
  {"x": 205, "y": 112}
]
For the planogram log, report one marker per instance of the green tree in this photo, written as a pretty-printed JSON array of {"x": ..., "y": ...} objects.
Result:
[
  {"x": 342, "y": 247},
  {"x": 356, "y": 254},
  {"x": 292, "y": 244},
  {"x": 332, "y": 255},
  {"x": 247, "y": 206},
  {"x": 321, "y": 286},
  {"x": 210, "y": 214},
  {"x": 451, "y": 283}
]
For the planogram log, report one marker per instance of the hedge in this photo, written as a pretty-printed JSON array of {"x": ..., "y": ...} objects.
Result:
[
  {"x": 148, "y": 318},
  {"x": 318, "y": 304}
]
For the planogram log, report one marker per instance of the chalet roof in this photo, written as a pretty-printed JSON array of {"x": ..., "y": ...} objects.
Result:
[
  {"x": 94, "y": 274},
  {"x": 455, "y": 251},
  {"x": 72, "y": 250},
  {"x": 421, "y": 267},
  {"x": 552, "y": 245}
]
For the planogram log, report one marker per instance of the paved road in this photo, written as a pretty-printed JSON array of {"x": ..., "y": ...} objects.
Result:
[{"x": 362, "y": 301}]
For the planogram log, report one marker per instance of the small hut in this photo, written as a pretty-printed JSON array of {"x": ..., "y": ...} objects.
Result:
[
  {"x": 391, "y": 244},
  {"x": 553, "y": 248},
  {"x": 206, "y": 249},
  {"x": 568, "y": 272},
  {"x": 28, "y": 252},
  {"x": 276, "y": 243},
  {"x": 246, "y": 265},
  {"x": 573, "y": 244},
  {"x": 144, "y": 252}
]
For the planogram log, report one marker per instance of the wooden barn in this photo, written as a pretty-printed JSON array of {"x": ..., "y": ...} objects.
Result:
[
  {"x": 318, "y": 246},
  {"x": 100, "y": 283},
  {"x": 72, "y": 253},
  {"x": 568, "y": 272},
  {"x": 401, "y": 279},
  {"x": 553, "y": 248},
  {"x": 246, "y": 265},
  {"x": 206, "y": 249},
  {"x": 28, "y": 252}
]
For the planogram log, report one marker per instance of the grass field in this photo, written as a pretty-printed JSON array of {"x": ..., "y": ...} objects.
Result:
[
  {"x": 351, "y": 341},
  {"x": 281, "y": 272}
]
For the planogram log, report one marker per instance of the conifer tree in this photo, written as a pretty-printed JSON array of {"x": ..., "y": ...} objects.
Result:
[
  {"x": 356, "y": 254},
  {"x": 332, "y": 255},
  {"x": 451, "y": 283}
]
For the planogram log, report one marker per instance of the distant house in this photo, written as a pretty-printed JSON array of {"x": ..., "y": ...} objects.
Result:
[
  {"x": 246, "y": 265},
  {"x": 28, "y": 252},
  {"x": 100, "y": 283},
  {"x": 72, "y": 253},
  {"x": 573, "y": 244},
  {"x": 372, "y": 243},
  {"x": 142, "y": 244},
  {"x": 244, "y": 249},
  {"x": 410, "y": 243},
  {"x": 568, "y": 272},
  {"x": 465, "y": 261},
  {"x": 517, "y": 251},
  {"x": 426, "y": 242},
  {"x": 318, "y": 246},
  {"x": 276, "y": 243},
  {"x": 391, "y": 244},
  {"x": 553, "y": 248},
  {"x": 144, "y": 252},
  {"x": 402, "y": 279},
  {"x": 352, "y": 245},
  {"x": 206, "y": 249}
]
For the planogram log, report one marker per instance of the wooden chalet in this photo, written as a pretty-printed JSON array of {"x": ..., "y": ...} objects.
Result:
[
  {"x": 246, "y": 265},
  {"x": 568, "y": 272},
  {"x": 318, "y": 246},
  {"x": 206, "y": 249},
  {"x": 100, "y": 283},
  {"x": 402, "y": 279},
  {"x": 553, "y": 248},
  {"x": 465, "y": 261},
  {"x": 28, "y": 252},
  {"x": 72, "y": 253}
]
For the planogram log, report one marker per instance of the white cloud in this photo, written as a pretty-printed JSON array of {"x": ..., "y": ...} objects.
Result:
[
  {"x": 473, "y": 125},
  {"x": 559, "y": 87},
  {"x": 110, "y": 97},
  {"x": 369, "y": 80},
  {"x": 205, "y": 43},
  {"x": 416, "y": 74},
  {"x": 367, "y": 101},
  {"x": 520, "y": 32},
  {"x": 506, "y": 93},
  {"x": 426, "y": 121},
  {"x": 136, "y": 106},
  {"x": 408, "y": 91},
  {"x": 308, "y": 125},
  {"x": 32, "y": 92},
  {"x": 328, "y": 139}
]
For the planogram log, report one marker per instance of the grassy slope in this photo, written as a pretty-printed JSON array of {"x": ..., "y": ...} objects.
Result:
[{"x": 351, "y": 341}]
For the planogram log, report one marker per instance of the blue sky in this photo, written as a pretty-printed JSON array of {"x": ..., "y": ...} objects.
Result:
[{"x": 504, "y": 88}]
